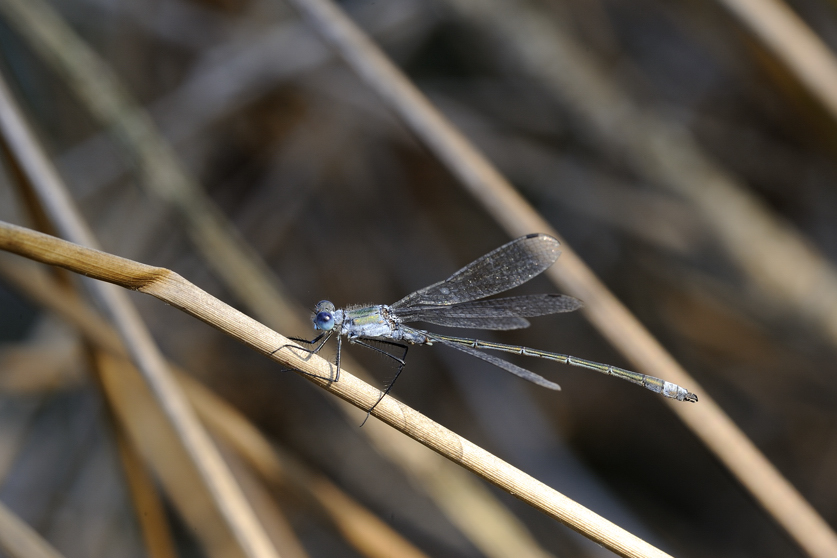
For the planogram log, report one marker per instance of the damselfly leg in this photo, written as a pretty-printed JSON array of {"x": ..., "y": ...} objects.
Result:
[
  {"x": 320, "y": 341},
  {"x": 401, "y": 363}
]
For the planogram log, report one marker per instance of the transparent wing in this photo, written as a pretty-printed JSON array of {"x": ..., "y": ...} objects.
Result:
[
  {"x": 506, "y": 267},
  {"x": 495, "y": 324},
  {"x": 496, "y": 314},
  {"x": 505, "y": 365}
]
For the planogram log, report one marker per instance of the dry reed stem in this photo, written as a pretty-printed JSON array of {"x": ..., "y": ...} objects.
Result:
[
  {"x": 19, "y": 540},
  {"x": 148, "y": 506},
  {"x": 499, "y": 533},
  {"x": 225, "y": 496},
  {"x": 369, "y": 534},
  {"x": 178, "y": 292},
  {"x": 792, "y": 42},
  {"x": 461, "y": 498},
  {"x": 624, "y": 331},
  {"x": 276, "y": 523},
  {"x": 149, "y": 431},
  {"x": 359, "y": 526},
  {"x": 150, "y": 511}
]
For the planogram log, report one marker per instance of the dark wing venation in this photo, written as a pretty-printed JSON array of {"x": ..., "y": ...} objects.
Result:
[
  {"x": 506, "y": 267},
  {"x": 496, "y": 314},
  {"x": 505, "y": 365}
]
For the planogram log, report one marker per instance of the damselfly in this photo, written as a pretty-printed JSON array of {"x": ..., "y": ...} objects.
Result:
[{"x": 457, "y": 302}]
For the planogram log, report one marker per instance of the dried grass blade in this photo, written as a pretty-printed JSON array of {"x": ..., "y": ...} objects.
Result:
[
  {"x": 794, "y": 43},
  {"x": 20, "y": 540}
]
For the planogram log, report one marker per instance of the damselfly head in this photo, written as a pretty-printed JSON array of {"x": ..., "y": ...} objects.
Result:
[{"x": 324, "y": 315}]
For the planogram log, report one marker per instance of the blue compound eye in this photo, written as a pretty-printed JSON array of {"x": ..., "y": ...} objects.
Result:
[{"x": 323, "y": 321}]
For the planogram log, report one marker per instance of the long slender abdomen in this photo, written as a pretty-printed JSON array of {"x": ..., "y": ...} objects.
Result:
[{"x": 667, "y": 389}]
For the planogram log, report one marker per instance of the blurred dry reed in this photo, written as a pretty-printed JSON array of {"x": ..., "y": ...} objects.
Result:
[{"x": 688, "y": 166}]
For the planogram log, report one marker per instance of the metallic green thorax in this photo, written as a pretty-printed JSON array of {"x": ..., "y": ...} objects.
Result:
[{"x": 364, "y": 316}]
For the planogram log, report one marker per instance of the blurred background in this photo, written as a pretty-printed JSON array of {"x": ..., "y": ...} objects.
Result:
[{"x": 341, "y": 201}]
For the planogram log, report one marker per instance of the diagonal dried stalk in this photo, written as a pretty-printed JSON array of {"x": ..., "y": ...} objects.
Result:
[
  {"x": 792, "y": 42},
  {"x": 150, "y": 512},
  {"x": 148, "y": 430},
  {"x": 180, "y": 293},
  {"x": 21, "y": 541},
  {"x": 615, "y": 322},
  {"x": 149, "y": 509}
]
